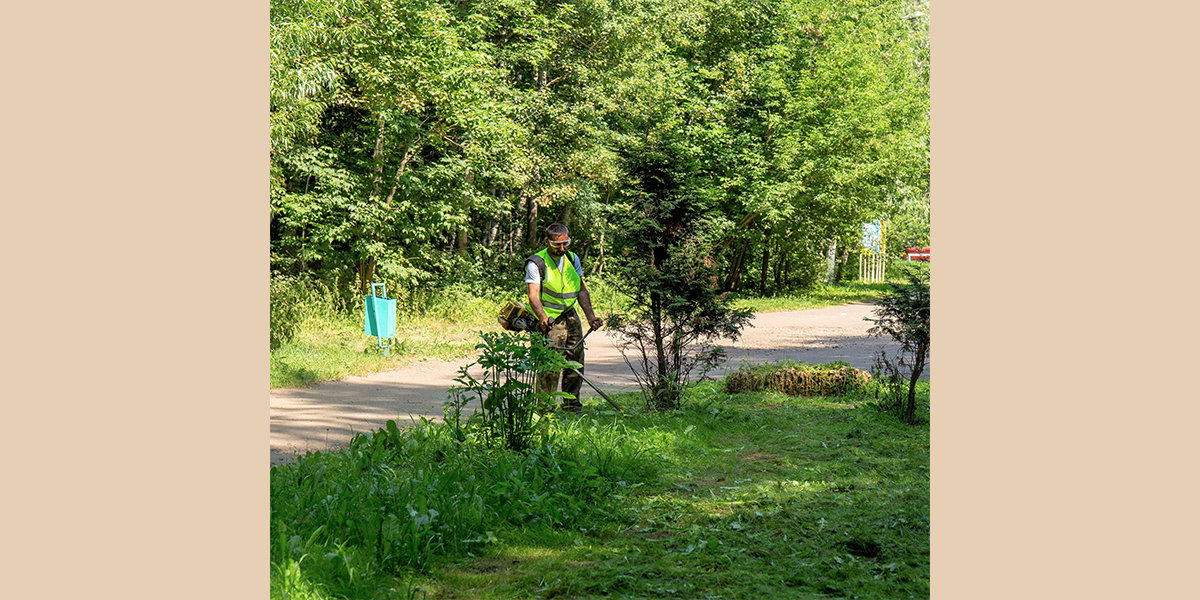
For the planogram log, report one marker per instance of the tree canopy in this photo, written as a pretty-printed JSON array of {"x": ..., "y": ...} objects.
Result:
[{"x": 413, "y": 140}]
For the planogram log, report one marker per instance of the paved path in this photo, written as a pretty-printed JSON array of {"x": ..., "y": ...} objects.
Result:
[{"x": 327, "y": 415}]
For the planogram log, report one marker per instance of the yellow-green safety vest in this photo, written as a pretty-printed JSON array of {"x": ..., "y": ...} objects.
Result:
[{"x": 560, "y": 289}]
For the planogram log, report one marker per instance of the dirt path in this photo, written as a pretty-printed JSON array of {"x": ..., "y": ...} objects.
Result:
[{"x": 326, "y": 415}]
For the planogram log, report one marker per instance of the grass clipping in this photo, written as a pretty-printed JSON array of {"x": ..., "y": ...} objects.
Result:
[{"x": 798, "y": 379}]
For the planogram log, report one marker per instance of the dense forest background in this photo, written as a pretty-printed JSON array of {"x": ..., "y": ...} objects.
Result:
[{"x": 428, "y": 143}]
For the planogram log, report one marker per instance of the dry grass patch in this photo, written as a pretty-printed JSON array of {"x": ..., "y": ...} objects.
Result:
[
  {"x": 750, "y": 456},
  {"x": 798, "y": 380}
]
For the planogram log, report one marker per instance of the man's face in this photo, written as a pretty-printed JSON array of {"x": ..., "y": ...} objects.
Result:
[{"x": 558, "y": 244}]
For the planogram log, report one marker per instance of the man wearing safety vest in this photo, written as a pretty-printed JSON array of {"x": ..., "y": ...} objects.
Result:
[{"x": 555, "y": 279}]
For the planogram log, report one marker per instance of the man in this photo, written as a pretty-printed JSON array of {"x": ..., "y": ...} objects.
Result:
[{"x": 555, "y": 279}]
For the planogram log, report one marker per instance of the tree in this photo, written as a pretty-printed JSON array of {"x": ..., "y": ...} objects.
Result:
[
  {"x": 903, "y": 314},
  {"x": 429, "y": 142},
  {"x": 669, "y": 272},
  {"x": 387, "y": 148}
]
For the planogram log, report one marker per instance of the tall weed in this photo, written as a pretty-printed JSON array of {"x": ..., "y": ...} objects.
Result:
[
  {"x": 297, "y": 303},
  {"x": 508, "y": 393},
  {"x": 398, "y": 499}
]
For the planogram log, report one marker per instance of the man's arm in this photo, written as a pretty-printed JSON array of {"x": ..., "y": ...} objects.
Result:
[
  {"x": 535, "y": 303},
  {"x": 585, "y": 300}
]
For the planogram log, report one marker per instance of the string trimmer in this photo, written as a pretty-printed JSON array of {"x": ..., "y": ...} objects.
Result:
[
  {"x": 576, "y": 371},
  {"x": 515, "y": 317}
]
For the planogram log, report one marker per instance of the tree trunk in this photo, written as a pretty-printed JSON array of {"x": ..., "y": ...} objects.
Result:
[
  {"x": 377, "y": 178},
  {"x": 366, "y": 267},
  {"x": 408, "y": 156},
  {"x": 460, "y": 245},
  {"x": 910, "y": 411},
  {"x": 777, "y": 268},
  {"x": 766, "y": 262},
  {"x": 516, "y": 229},
  {"x": 787, "y": 268},
  {"x": 600, "y": 255},
  {"x": 657, "y": 389},
  {"x": 660, "y": 387},
  {"x": 831, "y": 262},
  {"x": 735, "y": 269},
  {"x": 841, "y": 266},
  {"x": 493, "y": 229},
  {"x": 533, "y": 238},
  {"x": 366, "y": 274}
]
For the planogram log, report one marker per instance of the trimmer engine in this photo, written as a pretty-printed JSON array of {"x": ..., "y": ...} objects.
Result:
[{"x": 515, "y": 317}]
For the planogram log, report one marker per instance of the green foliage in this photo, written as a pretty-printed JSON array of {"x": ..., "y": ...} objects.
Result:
[
  {"x": 909, "y": 226},
  {"x": 822, "y": 126},
  {"x": 676, "y": 311},
  {"x": 428, "y": 143},
  {"x": 840, "y": 490},
  {"x": 899, "y": 269},
  {"x": 903, "y": 315},
  {"x": 295, "y": 304},
  {"x": 699, "y": 501},
  {"x": 398, "y": 499},
  {"x": 607, "y": 298},
  {"x": 509, "y": 400}
]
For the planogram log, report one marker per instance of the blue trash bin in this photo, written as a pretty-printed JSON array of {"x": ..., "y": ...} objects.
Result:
[{"x": 379, "y": 316}]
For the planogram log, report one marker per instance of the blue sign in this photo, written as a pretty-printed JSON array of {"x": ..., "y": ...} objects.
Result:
[{"x": 873, "y": 236}]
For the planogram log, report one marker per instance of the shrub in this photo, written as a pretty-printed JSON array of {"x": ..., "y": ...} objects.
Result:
[
  {"x": 903, "y": 314},
  {"x": 898, "y": 268},
  {"x": 507, "y": 392}
]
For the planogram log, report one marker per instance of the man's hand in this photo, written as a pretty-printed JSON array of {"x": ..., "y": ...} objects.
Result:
[
  {"x": 545, "y": 321},
  {"x": 595, "y": 322}
]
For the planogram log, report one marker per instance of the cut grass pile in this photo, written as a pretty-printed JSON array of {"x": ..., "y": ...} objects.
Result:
[
  {"x": 798, "y": 379},
  {"x": 756, "y": 495}
]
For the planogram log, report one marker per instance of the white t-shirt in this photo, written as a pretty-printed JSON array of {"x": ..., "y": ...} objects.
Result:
[{"x": 533, "y": 275}]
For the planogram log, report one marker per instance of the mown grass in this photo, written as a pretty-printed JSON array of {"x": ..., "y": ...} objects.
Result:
[{"x": 755, "y": 495}]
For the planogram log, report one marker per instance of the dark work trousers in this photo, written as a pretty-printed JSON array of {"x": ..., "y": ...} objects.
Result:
[{"x": 565, "y": 332}]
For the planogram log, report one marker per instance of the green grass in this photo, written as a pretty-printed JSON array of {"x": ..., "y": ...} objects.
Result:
[
  {"x": 747, "y": 496},
  {"x": 326, "y": 344},
  {"x": 333, "y": 348},
  {"x": 843, "y": 293},
  {"x": 317, "y": 340}
]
